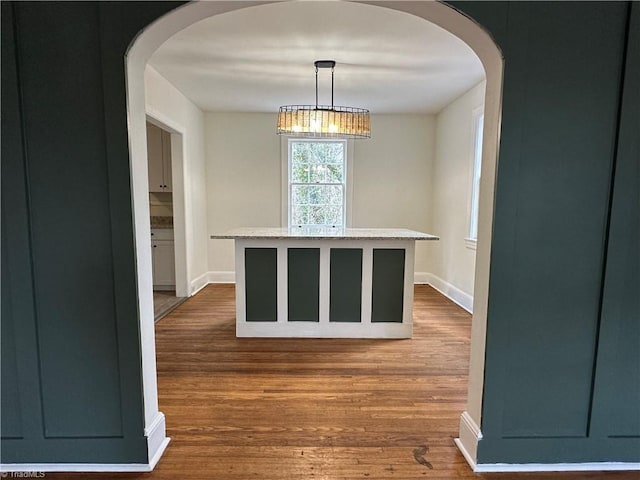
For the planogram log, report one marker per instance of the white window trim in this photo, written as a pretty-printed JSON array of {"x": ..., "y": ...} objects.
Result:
[
  {"x": 284, "y": 177},
  {"x": 471, "y": 241}
]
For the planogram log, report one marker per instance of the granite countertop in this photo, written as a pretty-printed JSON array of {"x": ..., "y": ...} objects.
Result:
[
  {"x": 161, "y": 222},
  {"x": 324, "y": 233}
]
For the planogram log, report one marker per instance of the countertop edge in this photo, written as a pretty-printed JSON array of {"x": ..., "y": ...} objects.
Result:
[
  {"x": 320, "y": 237},
  {"x": 280, "y": 233}
]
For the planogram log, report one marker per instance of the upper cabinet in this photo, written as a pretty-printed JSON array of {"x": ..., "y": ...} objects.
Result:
[{"x": 159, "y": 159}]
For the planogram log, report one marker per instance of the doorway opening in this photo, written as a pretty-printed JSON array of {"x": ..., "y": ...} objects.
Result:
[
  {"x": 442, "y": 15},
  {"x": 162, "y": 215}
]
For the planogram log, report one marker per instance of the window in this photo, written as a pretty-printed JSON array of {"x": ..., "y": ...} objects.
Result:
[
  {"x": 477, "y": 167},
  {"x": 317, "y": 183}
]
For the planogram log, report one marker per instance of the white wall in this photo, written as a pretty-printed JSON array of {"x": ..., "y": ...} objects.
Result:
[
  {"x": 169, "y": 108},
  {"x": 391, "y": 175},
  {"x": 415, "y": 172},
  {"x": 453, "y": 262},
  {"x": 243, "y": 178}
]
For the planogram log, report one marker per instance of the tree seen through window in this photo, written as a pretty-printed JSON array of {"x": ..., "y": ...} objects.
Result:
[{"x": 317, "y": 183}]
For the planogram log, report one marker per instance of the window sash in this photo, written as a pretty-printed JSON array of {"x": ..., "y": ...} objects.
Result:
[
  {"x": 477, "y": 167},
  {"x": 311, "y": 207}
]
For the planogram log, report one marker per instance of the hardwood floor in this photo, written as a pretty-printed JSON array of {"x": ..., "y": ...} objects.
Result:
[{"x": 307, "y": 408}]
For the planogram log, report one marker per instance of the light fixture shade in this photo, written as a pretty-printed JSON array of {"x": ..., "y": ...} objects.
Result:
[{"x": 324, "y": 121}]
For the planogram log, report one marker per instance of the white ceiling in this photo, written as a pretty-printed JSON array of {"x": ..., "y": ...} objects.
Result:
[{"x": 258, "y": 58}]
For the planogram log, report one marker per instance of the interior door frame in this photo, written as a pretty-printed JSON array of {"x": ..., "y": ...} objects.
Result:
[{"x": 179, "y": 196}]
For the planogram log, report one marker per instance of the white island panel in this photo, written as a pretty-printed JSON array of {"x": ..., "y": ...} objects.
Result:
[{"x": 398, "y": 308}]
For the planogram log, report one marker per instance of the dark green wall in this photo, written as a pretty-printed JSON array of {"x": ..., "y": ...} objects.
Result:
[
  {"x": 616, "y": 402},
  {"x": 562, "y": 341},
  {"x": 563, "y": 291},
  {"x": 71, "y": 368}
]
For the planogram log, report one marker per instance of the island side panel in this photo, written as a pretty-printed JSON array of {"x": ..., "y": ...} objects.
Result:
[
  {"x": 324, "y": 328},
  {"x": 345, "y": 285},
  {"x": 388, "y": 285},
  {"x": 261, "y": 276},
  {"x": 303, "y": 284}
]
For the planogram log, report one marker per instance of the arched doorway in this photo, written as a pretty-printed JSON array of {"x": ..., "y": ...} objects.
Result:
[{"x": 442, "y": 15}]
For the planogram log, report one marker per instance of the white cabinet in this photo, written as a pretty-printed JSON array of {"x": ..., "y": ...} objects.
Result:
[
  {"x": 163, "y": 258},
  {"x": 159, "y": 159}
]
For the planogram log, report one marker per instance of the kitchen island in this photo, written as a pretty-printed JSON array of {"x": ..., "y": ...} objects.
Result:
[{"x": 324, "y": 282}]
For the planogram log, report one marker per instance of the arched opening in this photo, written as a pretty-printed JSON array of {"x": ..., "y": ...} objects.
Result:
[{"x": 443, "y": 16}]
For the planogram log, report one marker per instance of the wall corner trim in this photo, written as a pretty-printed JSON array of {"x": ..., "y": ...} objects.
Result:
[{"x": 467, "y": 442}]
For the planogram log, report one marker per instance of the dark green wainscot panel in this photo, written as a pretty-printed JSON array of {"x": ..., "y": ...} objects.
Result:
[
  {"x": 261, "y": 275},
  {"x": 345, "y": 295},
  {"x": 561, "y": 358},
  {"x": 616, "y": 390},
  {"x": 303, "y": 284},
  {"x": 388, "y": 285}
]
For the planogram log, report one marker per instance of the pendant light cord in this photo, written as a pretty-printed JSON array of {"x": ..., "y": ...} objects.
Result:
[
  {"x": 324, "y": 64},
  {"x": 332, "y": 88}
]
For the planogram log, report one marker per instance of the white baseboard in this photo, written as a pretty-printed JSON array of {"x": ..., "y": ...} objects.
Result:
[
  {"x": 157, "y": 439},
  {"x": 421, "y": 278},
  {"x": 156, "y": 444},
  {"x": 470, "y": 435},
  {"x": 198, "y": 284},
  {"x": 556, "y": 467},
  {"x": 450, "y": 291},
  {"x": 75, "y": 467},
  {"x": 211, "y": 277},
  {"x": 222, "y": 277}
]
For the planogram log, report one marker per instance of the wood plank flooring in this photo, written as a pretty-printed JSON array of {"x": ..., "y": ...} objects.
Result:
[{"x": 306, "y": 408}]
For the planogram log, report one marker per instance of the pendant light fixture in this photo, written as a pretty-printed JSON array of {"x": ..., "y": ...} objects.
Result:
[{"x": 323, "y": 121}]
